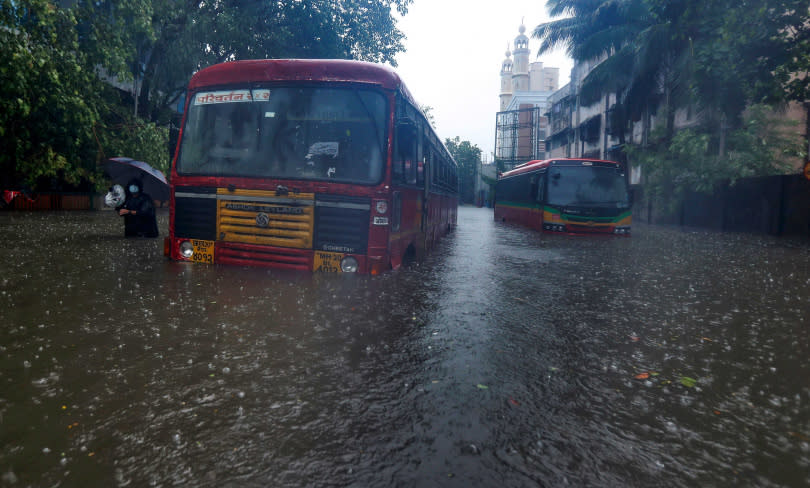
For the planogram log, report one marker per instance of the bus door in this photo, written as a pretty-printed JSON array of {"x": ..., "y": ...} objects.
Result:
[{"x": 538, "y": 194}]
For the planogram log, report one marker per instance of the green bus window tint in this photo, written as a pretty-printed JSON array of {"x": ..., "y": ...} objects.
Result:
[
  {"x": 300, "y": 133},
  {"x": 515, "y": 189},
  {"x": 588, "y": 186}
]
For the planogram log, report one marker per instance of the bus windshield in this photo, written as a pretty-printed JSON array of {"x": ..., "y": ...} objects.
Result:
[
  {"x": 304, "y": 132},
  {"x": 593, "y": 186}
]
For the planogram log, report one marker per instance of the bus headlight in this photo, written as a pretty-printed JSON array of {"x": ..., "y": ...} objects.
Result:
[
  {"x": 554, "y": 227},
  {"x": 621, "y": 230},
  {"x": 348, "y": 265},
  {"x": 186, "y": 249}
]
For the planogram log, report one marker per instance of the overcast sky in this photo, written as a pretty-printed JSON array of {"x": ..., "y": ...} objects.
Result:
[{"x": 453, "y": 60}]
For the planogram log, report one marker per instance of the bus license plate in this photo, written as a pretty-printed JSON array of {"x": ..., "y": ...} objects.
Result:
[
  {"x": 328, "y": 262},
  {"x": 203, "y": 251}
]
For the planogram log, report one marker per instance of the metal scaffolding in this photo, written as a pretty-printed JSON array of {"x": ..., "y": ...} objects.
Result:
[{"x": 519, "y": 137}]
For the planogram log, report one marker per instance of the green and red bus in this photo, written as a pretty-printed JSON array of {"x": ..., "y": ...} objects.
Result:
[
  {"x": 317, "y": 165},
  {"x": 566, "y": 195}
]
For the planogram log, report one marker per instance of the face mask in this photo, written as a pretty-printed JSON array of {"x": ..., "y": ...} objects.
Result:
[{"x": 133, "y": 188}]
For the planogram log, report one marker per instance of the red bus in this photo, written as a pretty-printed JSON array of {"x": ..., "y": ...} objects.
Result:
[
  {"x": 566, "y": 195},
  {"x": 318, "y": 165}
]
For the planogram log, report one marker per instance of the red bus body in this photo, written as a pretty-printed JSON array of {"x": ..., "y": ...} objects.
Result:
[
  {"x": 230, "y": 205},
  {"x": 574, "y": 196}
]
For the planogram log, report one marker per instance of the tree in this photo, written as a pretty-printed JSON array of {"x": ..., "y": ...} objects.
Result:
[
  {"x": 468, "y": 158},
  {"x": 428, "y": 111},
  {"x": 719, "y": 56},
  {"x": 640, "y": 53},
  {"x": 49, "y": 107},
  {"x": 58, "y": 119},
  {"x": 183, "y": 37},
  {"x": 762, "y": 146}
]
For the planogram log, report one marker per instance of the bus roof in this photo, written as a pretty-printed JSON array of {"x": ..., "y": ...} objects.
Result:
[
  {"x": 544, "y": 163},
  {"x": 336, "y": 70}
]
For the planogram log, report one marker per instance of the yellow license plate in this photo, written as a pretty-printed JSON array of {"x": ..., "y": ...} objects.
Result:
[
  {"x": 328, "y": 262},
  {"x": 203, "y": 251}
]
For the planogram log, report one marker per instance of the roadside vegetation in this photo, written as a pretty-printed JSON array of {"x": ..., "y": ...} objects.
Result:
[
  {"x": 67, "y": 72},
  {"x": 468, "y": 158}
]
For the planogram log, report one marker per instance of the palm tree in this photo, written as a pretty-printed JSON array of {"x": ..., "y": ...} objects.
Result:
[{"x": 644, "y": 59}]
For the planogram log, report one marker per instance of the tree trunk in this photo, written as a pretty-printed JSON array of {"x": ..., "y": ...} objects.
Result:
[{"x": 721, "y": 144}]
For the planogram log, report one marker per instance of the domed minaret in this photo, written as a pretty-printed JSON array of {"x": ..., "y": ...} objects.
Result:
[
  {"x": 506, "y": 80},
  {"x": 520, "y": 71}
]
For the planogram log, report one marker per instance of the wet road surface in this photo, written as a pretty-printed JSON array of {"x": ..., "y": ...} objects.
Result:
[{"x": 505, "y": 358}]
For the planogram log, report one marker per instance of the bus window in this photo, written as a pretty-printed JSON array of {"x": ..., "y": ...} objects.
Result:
[
  {"x": 587, "y": 185},
  {"x": 301, "y": 133},
  {"x": 418, "y": 154},
  {"x": 541, "y": 188},
  {"x": 405, "y": 150}
]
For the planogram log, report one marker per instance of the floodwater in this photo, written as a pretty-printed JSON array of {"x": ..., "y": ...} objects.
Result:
[{"x": 505, "y": 358}]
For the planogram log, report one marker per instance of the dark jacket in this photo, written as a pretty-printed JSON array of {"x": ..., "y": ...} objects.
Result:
[{"x": 143, "y": 223}]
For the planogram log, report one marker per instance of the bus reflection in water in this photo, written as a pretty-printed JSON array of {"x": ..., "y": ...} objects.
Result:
[
  {"x": 566, "y": 195},
  {"x": 317, "y": 165}
]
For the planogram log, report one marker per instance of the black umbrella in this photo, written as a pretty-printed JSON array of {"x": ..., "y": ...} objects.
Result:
[{"x": 121, "y": 170}]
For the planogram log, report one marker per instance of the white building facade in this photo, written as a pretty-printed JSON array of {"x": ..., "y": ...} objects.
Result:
[{"x": 521, "y": 126}]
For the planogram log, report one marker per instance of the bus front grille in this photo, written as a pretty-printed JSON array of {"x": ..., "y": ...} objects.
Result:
[
  {"x": 266, "y": 256},
  {"x": 341, "y": 223},
  {"x": 264, "y": 218}
]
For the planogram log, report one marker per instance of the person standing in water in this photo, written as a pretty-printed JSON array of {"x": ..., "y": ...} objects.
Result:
[{"x": 138, "y": 212}]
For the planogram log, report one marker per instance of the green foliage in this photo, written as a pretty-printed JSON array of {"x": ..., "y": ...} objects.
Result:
[
  {"x": 468, "y": 157},
  {"x": 719, "y": 56},
  {"x": 48, "y": 109},
  {"x": 58, "y": 118},
  {"x": 146, "y": 142},
  {"x": 764, "y": 145},
  {"x": 186, "y": 36},
  {"x": 428, "y": 111}
]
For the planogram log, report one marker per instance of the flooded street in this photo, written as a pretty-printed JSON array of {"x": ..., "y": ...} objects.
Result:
[{"x": 505, "y": 358}]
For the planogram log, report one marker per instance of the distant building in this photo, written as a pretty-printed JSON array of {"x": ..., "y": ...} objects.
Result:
[
  {"x": 521, "y": 126},
  {"x": 588, "y": 131},
  {"x": 576, "y": 130}
]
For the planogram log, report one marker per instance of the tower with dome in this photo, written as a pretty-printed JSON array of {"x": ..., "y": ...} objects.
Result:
[{"x": 520, "y": 127}]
